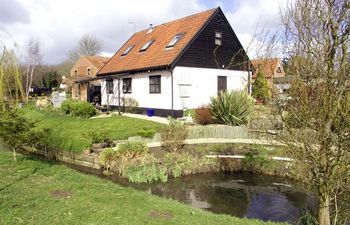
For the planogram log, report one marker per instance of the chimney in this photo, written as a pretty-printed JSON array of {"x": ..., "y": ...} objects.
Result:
[{"x": 151, "y": 28}]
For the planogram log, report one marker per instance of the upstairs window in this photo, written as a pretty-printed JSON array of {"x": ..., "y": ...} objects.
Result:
[
  {"x": 89, "y": 72},
  {"x": 279, "y": 70},
  {"x": 154, "y": 84},
  {"x": 127, "y": 85},
  {"x": 109, "y": 86},
  {"x": 218, "y": 38},
  {"x": 127, "y": 50},
  {"x": 173, "y": 42},
  {"x": 146, "y": 46},
  {"x": 75, "y": 72}
]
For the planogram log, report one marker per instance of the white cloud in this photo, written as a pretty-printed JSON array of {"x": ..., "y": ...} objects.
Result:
[
  {"x": 250, "y": 17},
  {"x": 59, "y": 24}
]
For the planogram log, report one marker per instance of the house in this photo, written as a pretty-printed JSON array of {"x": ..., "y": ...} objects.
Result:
[
  {"x": 177, "y": 65},
  {"x": 272, "y": 69},
  {"x": 85, "y": 86},
  {"x": 281, "y": 85}
]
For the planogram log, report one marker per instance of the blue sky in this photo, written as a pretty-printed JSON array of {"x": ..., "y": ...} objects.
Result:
[{"x": 59, "y": 24}]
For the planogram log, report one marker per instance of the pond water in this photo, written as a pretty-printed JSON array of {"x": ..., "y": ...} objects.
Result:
[{"x": 237, "y": 194}]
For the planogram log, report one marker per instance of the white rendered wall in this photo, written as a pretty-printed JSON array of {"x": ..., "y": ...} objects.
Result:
[
  {"x": 193, "y": 87},
  {"x": 140, "y": 91}
]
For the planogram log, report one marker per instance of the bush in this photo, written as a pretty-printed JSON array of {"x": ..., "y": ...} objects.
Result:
[
  {"x": 174, "y": 136},
  {"x": 232, "y": 108},
  {"x": 189, "y": 112},
  {"x": 78, "y": 108},
  {"x": 108, "y": 157},
  {"x": 255, "y": 162},
  {"x": 203, "y": 115},
  {"x": 130, "y": 104},
  {"x": 261, "y": 90},
  {"x": 146, "y": 133},
  {"x": 100, "y": 136},
  {"x": 19, "y": 132},
  {"x": 132, "y": 149},
  {"x": 66, "y": 106}
]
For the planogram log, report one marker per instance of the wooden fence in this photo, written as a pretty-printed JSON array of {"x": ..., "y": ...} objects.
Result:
[{"x": 215, "y": 131}]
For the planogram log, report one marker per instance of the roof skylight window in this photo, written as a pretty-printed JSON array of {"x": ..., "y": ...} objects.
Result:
[
  {"x": 146, "y": 46},
  {"x": 127, "y": 50},
  {"x": 173, "y": 42}
]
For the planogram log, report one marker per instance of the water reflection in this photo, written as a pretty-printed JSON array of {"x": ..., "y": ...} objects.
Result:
[{"x": 239, "y": 194}]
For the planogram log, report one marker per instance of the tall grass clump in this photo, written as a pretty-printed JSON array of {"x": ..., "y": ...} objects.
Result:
[{"x": 232, "y": 108}]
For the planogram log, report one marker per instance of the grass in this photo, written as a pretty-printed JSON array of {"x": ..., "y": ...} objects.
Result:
[
  {"x": 37, "y": 192},
  {"x": 71, "y": 131}
]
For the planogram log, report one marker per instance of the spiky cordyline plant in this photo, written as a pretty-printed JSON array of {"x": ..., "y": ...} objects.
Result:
[{"x": 232, "y": 108}]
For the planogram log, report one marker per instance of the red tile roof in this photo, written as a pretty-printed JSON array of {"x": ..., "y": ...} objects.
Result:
[
  {"x": 97, "y": 61},
  {"x": 267, "y": 66},
  {"x": 157, "y": 55}
]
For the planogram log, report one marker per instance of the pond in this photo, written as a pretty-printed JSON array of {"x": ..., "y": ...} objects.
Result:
[{"x": 237, "y": 194}]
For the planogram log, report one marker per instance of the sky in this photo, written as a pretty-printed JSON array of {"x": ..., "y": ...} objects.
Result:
[{"x": 59, "y": 24}]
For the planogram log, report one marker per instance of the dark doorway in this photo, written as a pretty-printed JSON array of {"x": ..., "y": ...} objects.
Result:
[
  {"x": 94, "y": 94},
  {"x": 222, "y": 83}
]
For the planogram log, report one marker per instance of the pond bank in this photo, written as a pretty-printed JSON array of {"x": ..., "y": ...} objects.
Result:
[
  {"x": 237, "y": 194},
  {"x": 233, "y": 157},
  {"x": 68, "y": 197}
]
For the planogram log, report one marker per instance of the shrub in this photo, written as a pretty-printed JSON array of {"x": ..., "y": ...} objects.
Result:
[
  {"x": 130, "y": 104},
  {"x": 232, "y": 108},
  {"x": 203, "y": 115},
  {"x": 146, "y": 133},
  {"x": 100, "y": 136},
  {"x": 78, "y": 108},
  {"x": 19, "y": 132},
  {"x": 173, "y": 136},
  {"x": 66, "y": 106},
  {"x": 108, "y": 157},
  {"x": 132, "y": 149},
  {"x": 189, "y": 112},
  {"x": 255, "y": 162},
  {"x": 261, "y": 90},
  {"x": 83, "y": 109}
]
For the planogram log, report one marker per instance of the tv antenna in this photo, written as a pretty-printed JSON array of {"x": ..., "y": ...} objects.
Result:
[{"x": 134, "y": 23}]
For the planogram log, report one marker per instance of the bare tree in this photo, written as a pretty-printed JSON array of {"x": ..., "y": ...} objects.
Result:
[
  {"x": 317, "y": 125},
  {"x": 33, "y": 58},
  {"x": 88, "y": 45}
]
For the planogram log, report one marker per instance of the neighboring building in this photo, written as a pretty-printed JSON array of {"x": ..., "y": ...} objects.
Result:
[
  {"x": 281, "y": 85},
  {"x": 85, "y": 85},
  {"x": 177, "y": 65},
  {"x": 272, "y": 68}
]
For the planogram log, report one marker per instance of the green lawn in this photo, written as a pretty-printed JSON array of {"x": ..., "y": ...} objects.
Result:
[
  {"x": 37, "y": 192},
  {"x": 71, "y": 130}
]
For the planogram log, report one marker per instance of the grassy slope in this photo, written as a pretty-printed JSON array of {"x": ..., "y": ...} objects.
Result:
[
  {"x": 72, "y": 129},
  {"x": 26, "y": 198}
]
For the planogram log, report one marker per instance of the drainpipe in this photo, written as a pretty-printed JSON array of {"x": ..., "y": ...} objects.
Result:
[
  {"x": 172, "y": 92},
  {"x": 119, "y": 95},
  {"x": 249, "y": 79}
]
